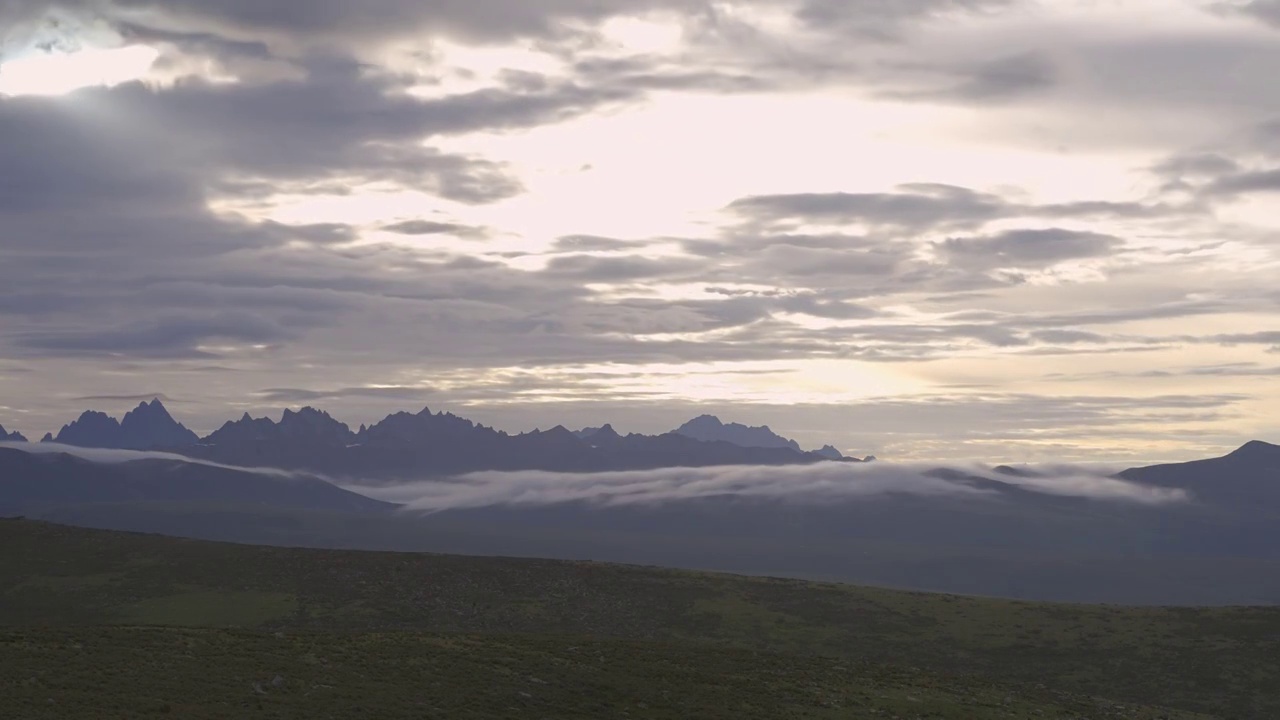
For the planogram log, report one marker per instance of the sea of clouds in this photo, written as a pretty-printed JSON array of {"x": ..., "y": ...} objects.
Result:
[{"x": 820, "y": 483}]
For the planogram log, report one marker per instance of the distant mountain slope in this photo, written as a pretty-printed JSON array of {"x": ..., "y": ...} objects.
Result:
[
  {"x": 147, "y": 427},
  {"x": 709, "y": 428},
  {"x": 1248, "y": 477},
  {"x": 32, "y": 481},
  {"x": 6, "y": 436}
]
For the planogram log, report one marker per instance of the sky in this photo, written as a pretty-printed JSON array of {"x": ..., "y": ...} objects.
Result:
[{"x": 1013, "y": 230}]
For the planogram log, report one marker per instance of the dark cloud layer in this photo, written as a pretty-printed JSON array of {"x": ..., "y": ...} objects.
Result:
[
  {"x": 918, "y": 207},
  {"x": 121, "y": 252},
  {"x": 1028, "y": 248},
  {"x": 1267, "y": 11}
]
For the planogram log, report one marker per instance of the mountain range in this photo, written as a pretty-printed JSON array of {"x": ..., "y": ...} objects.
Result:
[
  {"x": 6, "y": 436},
  {"x": 147, "y": 427},
  {"x": 405, "y": 445},
  {"x": 1003, "y": 532}
]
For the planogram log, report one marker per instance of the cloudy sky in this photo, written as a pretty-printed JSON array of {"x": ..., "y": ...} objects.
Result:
[{"x": 1005, "y": 229}]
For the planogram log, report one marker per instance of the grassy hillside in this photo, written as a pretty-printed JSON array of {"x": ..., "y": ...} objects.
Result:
[
  {"x": 236, "y": 674},
  {"x": 443, "y": 636}
]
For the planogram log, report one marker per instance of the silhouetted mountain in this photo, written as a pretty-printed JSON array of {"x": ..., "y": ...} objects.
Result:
[
  {"x": 708, "y": 428},
  {"x": 599, "y": 436},
  {"x": 829, "y": 452},
  {"x": 407, "y": 446},
  {"x": 147, "y": 427},
  {"x": 406, "y": 429},
  {"x": 150, "y": 426},
  {"x": 92, "y": 430},
  {"x": 308, "y": 438},
  {"x": 32, "y": 481},
  {"x": 48, "y": 438},
  {"x": 1247, "y": 477},
  {"x": 6, "y": 436}
]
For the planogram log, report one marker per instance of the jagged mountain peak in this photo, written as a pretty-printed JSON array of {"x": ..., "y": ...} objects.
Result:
[
  {"x": 153, "y": 404},
  {"x": 147, "y": 427},
  {"x": 709, "y": 428},
  {"x": 15, "y": 436},
  {"x": 150, "y": 426},
  {"x": 306, "y": 412},
  {"x": 92, "y": 429},
  {"x": 830, "y": 452}
]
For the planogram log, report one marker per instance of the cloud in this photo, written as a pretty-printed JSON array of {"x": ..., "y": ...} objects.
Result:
[
  {"x": 1266, "y": 337},
  {"x": 169, "y": 337},
  {"x": 919, "y": 207},
  {"x": 428, "y": 227},
  {"x": 333, "y": 21},
  {"x": 598, "y": 269},
  {"x": 1002, "y": 79},
  {"x": 823, "y": 483},
  {"x": 887, "y": 20},
  {"x": 1008, "y": 77},
  {"x": 1243, "y": 183},
  {"x": 296, "y": 395},
  {"x": 108, "y": 456},
  {"x": 1028, "y": 248},
  {"x": 1196, "y": 165},
  {"x": 142, "y": 397},
  {"x": 594, "y": 243},
  {"x": 1268, "y": 11}
]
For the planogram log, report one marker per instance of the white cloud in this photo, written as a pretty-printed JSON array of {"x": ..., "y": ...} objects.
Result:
[{"x": 823, "y": 483}]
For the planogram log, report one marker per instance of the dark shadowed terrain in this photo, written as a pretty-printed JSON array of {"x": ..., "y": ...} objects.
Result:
[{"x": 211, "y": 630}]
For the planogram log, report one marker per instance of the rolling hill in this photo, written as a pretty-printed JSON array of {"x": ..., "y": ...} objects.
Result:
[{"x": 153, "y": 625}]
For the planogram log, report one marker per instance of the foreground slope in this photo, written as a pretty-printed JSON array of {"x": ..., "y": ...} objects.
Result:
[
  {"x": 810, "y": 643},
  {"x": 200, "y": 673}
]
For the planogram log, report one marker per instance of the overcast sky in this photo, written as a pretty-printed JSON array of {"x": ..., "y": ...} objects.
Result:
[{"x": 925, "y": 229}]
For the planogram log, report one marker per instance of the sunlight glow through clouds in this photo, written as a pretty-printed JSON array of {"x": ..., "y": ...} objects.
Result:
[
  {"x": 612, "y": 174},
  {"x": 769, "y": 382},
  {"x": 642, "y": 36},
  {"x": 59, "y": 73}
]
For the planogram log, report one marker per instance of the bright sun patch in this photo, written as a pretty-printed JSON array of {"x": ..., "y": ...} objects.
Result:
[{"x": 61, "y": 73}]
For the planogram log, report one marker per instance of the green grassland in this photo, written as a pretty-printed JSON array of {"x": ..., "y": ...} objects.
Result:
[{"x": 142, "y": 625}]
